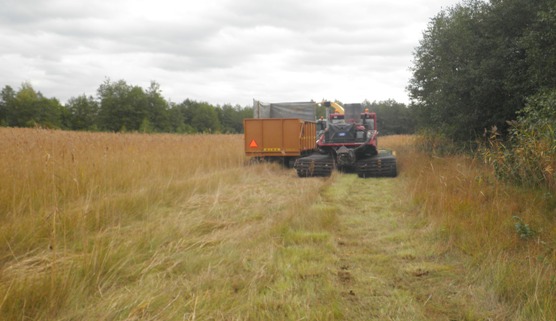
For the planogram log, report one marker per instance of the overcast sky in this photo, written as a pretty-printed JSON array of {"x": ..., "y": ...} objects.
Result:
[{"x": 219, "y": 51}]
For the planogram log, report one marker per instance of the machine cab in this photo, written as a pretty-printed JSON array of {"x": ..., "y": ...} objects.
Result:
[
  {"x": 368, "y": 120},
  {"x": 336, "y": 118}
]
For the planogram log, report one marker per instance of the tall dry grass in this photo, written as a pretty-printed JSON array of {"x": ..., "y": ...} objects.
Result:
[
  {"x": 507, "y": 232},
  {"x": 80, "y": 182},
  {"x": 98, "y": 226}
]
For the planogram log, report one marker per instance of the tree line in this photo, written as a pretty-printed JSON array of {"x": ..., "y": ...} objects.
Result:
[
  {"x": 123, "y": 107},
  {"x": 118, "y": 107},
  {"x": 480, "y": 63},
  {"x": 489, "y": 69}
]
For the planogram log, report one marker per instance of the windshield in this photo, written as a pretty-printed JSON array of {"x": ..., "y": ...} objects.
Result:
[
  {"x": 336, "y": 118},
  {"x": 370, "y": 124}
]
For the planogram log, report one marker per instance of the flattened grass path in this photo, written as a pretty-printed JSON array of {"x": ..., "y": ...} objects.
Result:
[{"x": 386, "y": 267}]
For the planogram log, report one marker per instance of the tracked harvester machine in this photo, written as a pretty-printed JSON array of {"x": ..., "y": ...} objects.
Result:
[
  {"x": 346, "y": 140},
  {"x": 348, "y": 143}
]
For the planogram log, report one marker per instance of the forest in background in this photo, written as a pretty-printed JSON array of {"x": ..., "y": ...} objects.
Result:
[
  {"x": 118, "y": 107},
  {"x": 121, "y": 107}
]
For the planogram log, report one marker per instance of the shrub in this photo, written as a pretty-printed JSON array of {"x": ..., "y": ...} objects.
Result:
[{"x": 529, "y": 155}]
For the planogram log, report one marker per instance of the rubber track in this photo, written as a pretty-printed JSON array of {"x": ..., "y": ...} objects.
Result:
[
  {"x": 314, "y": 165},
  {"x": 377, "y": 166}
]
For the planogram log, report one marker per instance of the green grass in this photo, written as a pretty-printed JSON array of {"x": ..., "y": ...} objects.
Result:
[{"x": 387, "y": 265}]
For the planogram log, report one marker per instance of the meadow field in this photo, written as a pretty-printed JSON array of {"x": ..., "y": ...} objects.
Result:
[{"x": 104, "y": 226}]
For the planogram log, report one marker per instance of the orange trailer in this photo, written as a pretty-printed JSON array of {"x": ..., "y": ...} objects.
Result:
[{"x": 282, "y": 139}]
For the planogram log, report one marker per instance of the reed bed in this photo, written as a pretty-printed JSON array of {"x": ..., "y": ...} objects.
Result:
[
  {"x": 101, "y": 226},
  {"x": 104, "y": 226}
]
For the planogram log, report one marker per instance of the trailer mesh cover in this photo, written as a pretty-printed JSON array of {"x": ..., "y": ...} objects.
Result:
[{"x": 302, "y": 110}]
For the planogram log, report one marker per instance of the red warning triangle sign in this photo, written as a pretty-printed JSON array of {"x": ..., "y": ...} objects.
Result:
[{"x": 253, "y": 144}]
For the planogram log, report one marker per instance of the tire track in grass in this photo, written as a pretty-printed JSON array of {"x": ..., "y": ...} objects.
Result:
[{"x": 387, "y": 267}]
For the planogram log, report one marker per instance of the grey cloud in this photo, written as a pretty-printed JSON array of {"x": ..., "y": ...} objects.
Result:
[{"x": 218, "y": 50}]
